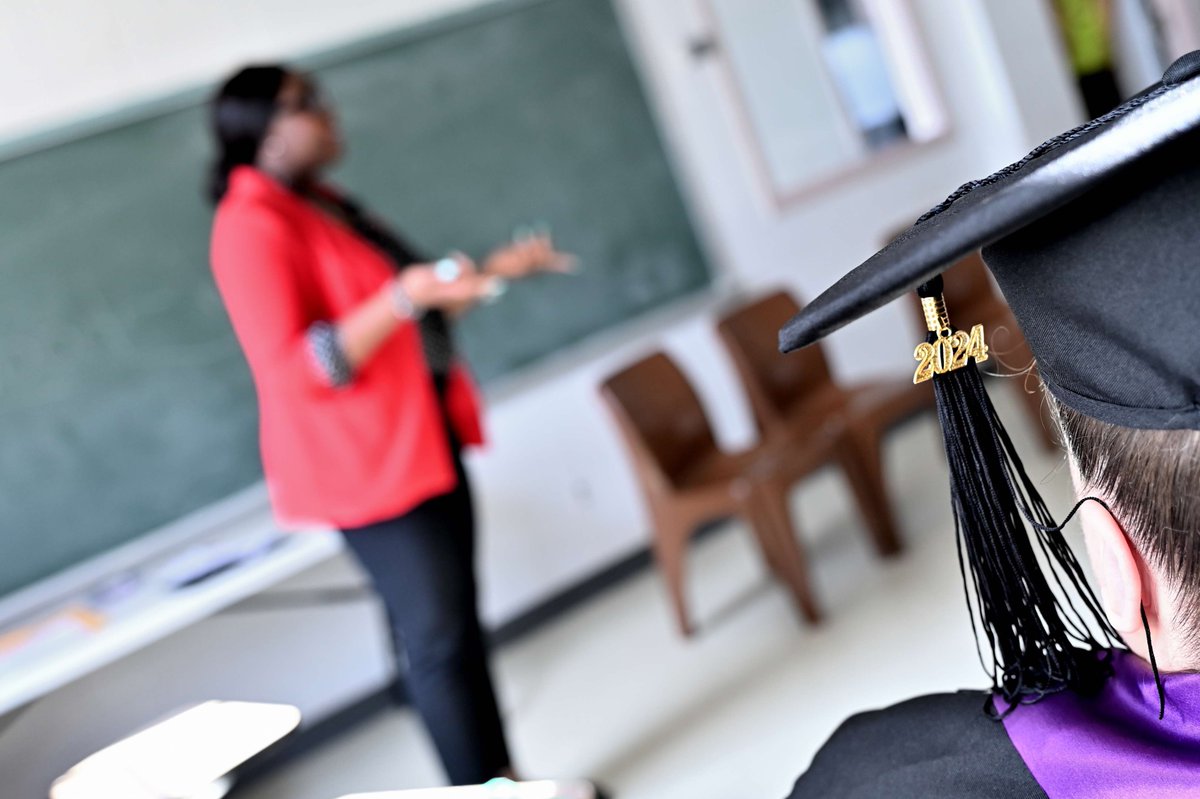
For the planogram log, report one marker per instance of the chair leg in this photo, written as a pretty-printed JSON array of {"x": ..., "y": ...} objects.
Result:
[
  {"x": 670, "y": 549},
  {"x": 862, "y": 461},
  {"x": 762, "y": 527},
  {"x": 776, "y": 532}
]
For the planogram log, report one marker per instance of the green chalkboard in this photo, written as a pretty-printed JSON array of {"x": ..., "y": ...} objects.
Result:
[{"x": 124, "y": 400}]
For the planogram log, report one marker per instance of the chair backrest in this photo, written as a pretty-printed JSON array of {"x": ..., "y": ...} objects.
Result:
[
  {"x": 968, "y": 288},
  {"x": 661, "y": 419},
  {"x": 774, "y": 382}
]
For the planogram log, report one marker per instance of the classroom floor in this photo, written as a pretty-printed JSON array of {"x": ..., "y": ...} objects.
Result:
[{"x": 610, "y": 690}]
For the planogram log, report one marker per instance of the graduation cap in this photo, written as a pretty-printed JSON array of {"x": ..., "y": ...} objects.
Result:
[{"x": 1094, "y": 239}]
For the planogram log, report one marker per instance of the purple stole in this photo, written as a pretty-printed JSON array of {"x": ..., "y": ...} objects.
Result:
[{"x": 1113, "y": 744}]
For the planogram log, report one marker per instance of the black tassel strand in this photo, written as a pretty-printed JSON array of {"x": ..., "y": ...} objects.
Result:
[{"x": 1040, "y": 642}]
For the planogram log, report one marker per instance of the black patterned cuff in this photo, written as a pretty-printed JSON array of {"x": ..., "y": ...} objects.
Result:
[{"x": 328, "y": 356}]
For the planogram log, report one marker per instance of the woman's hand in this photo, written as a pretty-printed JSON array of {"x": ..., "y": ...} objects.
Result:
[
  {"x": 526, "y": 257},
  {"x": 427, "y": 286},
  {"x": 452, "y": 288}
]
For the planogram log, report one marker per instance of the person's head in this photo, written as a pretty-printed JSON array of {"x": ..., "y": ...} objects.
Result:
[
  {"x": 274, "y": 119},
  {"x": 1090, "y": 239},
  {"x": 1146, "y": 552}
]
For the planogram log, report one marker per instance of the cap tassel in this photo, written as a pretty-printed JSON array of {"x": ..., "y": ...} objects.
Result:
[{"x": 1040, "y": 642}]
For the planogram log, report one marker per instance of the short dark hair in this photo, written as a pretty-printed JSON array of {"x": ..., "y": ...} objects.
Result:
[
  {"x": 1151, "y": 481},
  {"x": 241, "y": 113}
]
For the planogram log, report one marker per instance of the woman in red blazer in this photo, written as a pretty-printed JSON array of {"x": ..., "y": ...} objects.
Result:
[{"x": 364, "y": 404}]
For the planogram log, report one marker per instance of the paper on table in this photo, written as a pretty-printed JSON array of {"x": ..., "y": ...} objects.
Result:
[{"x": 185, "y": 754}]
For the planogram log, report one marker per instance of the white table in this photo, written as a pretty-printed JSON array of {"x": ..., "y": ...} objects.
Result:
[{"x": 497, "y": 789}]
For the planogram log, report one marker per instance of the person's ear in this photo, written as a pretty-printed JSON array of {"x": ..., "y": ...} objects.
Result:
[{"x": 1118, "y": 568}]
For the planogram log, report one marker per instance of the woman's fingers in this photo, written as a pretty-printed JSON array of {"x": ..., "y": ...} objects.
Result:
[
  {"x": 469, "y": 288},
  {"x": 563, "y": 263},
  {"x": 537, "y": 254},
  {"x": 541, "y": 250},
  {"x": 506, "y": 261},
  {"x": 521, "y": 258},
  {"x": 454, "y": 266},
  {"x": 452, "y": 284},
  {"x": 465, "y": 263}
]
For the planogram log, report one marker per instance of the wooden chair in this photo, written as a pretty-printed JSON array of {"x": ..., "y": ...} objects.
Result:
[
  {"x": 688, "y": 480},
  {"x": 792, "y": 394},
  {"x": 971, "y": 299}
]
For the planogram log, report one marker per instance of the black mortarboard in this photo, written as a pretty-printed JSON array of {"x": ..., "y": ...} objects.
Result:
[{"x": 1093, "y": 239}]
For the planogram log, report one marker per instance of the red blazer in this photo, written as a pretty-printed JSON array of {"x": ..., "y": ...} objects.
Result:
[{"x": 345, "y": 456}]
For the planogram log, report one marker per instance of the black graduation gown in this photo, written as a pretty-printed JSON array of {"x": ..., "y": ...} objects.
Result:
[{"x": 941, "y": 745}]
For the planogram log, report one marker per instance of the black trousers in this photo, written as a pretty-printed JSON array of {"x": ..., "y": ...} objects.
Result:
[{"x": 423, "y": 566}]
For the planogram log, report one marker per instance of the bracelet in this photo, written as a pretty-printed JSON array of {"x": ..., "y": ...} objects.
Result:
[{"x": 402, "y": 305}]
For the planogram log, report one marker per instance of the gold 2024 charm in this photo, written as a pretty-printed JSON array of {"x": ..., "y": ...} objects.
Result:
[{"x": 949, "y": 352}]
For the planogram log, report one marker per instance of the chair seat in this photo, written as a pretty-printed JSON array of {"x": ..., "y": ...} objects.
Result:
[
  {"x": 736, "y": 472},
  {"x": 772, "y": 460},
  {"x": 889, "y": 401},
  {"x": 717, "y": 468},
  {"x": 877, "y": 404}
]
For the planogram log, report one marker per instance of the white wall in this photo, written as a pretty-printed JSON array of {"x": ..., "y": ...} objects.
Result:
[
  {"x": 62, "y": 59},
  {"x": 1029, "y": 47}
]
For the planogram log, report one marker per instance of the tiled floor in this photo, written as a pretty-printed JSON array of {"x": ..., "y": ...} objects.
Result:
[{"x": 610, "y": 691}]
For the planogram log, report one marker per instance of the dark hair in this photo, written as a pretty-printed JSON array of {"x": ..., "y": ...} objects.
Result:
[
  {"x": 241, "y": 112},
  {"x": 1151, "y": 480}
]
